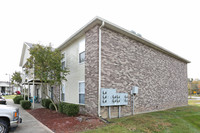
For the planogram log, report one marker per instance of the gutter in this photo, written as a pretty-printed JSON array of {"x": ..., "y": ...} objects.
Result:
[{"x": 99, "y": 108}]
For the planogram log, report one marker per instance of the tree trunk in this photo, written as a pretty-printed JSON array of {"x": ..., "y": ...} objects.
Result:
[{"x": 45, "y": 93}]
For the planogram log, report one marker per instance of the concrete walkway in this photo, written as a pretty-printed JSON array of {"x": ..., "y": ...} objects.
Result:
[{"x": 29, "y": 123}]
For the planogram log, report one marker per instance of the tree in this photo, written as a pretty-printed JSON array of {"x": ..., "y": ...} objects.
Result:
[
  {"x": 47, "y": 68},
  {"x": 16, "y": 79}
]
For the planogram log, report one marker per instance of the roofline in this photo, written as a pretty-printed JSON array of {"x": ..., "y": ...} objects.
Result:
[
  {"x": 23, "y": 52},
  {"x": 97, "y": 20}
]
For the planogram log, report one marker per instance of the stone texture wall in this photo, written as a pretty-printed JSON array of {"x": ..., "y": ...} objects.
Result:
[
  {"x": 91, "y": 72},
  {"x": 56, "y": 91},
  {"x": 162, "y": 80}
]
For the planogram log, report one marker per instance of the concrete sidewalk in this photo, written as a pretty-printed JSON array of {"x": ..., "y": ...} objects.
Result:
[{"x": 29, "y": 123}]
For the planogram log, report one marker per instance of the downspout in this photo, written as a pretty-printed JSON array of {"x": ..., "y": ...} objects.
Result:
[{"x": 99, "y": 108}]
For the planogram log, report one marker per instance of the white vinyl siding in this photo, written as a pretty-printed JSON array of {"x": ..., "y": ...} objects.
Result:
[{"x": 77, "y": 71}]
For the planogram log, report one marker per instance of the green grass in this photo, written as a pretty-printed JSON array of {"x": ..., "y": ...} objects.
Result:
[
  {"x": 9, "y": 96},
  {"x": 177, "y": 120}
]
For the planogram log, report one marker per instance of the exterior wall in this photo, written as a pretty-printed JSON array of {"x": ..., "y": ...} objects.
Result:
[
  {"x": 91, "y": 72},
  {"x": 56, "y": 93},
  {"x": 26, "y": 56},
  {"x": 162, "y": 80},
  {"x": 77, "y": 71}
]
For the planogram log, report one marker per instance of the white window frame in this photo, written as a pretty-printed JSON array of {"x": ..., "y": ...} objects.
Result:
[
  {"x": 82, "y": 42},
  {"x": 81, "y": 92},
  {"x": 64, "y": 59},
  {"x": 61, "y": 91}
]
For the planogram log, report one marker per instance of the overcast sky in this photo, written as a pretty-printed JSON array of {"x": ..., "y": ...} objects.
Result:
[{"x": 172, "y": 24}]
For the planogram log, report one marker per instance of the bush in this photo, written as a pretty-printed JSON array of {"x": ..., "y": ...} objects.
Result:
[
  {"x": 17, "y": 99},
  {"x": 60, "y": 107},
  {"x": 46, "y": 103},
  {"x": 71, "y": 109},
  {"x": 51, "y": 106},
  {"x": 43, "y": 100},
  {"x": 25, "y": 104}
]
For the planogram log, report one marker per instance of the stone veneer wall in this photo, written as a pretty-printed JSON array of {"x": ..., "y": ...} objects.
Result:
[
  {"x": 91, "y": 72},
  {"x": 56, "y": 91},
  {"x": 162, "y": 80}
]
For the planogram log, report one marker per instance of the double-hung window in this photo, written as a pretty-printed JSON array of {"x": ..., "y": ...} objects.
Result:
[
  {"x": 81, "y": 92},
  {"x": 82, "y": 51},
  {"x": 63, "y": 61},
  {"x": 63, "y": 92}
]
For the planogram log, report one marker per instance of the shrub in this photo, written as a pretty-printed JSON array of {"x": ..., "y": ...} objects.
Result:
[
  {"x": 43, "y": 100},
  {"x": 25, "y": 104},
  {"x": 60, "y": 107},
  {"x": 46, "y": 103},
  {"x": 17, "y": 99},
  {"x": 71, "y": 109},
  {"x": 51, "y": 106}
]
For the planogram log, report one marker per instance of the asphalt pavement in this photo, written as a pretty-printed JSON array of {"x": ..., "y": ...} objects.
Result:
[{"x": 29, "y": 123}]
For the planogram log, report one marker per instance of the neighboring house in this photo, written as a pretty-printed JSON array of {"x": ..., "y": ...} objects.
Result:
[
  {"x": 6, "y": 88},
  {"x": 102, "y": 56}
]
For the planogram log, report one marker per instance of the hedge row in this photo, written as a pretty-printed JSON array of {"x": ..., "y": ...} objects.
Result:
[
  {"x": 68, "y": 109},
  {"x": 60, "y": 107}
]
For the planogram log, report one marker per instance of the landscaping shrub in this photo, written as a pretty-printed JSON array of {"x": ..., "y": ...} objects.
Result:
[
  {"x": 71, "y": 109},
  {"x": 25, "y": 104},
  {"x": 17, "y": 99},
  {"x": 60, "y": 107},
  {"x": 51, "y": 106},
  {"x": 43, "y": 100},
  {"x": 46, "y": 103}
]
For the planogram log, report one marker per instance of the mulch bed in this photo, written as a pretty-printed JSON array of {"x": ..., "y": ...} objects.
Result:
[{"x": 61, "y": 123}]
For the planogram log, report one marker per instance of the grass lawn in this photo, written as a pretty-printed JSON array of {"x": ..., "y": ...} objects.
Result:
[
  {"x": 9, "y": 96},
  {"x": 177, "y": 120}
]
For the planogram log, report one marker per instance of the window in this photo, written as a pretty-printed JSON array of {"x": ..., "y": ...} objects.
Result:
[
  {"x": 82, "y": 57},
  {"x": 82, "y": 92},
  {"x": 51, "y": 92},
  {"x": 63, "y": 93},
  {"x": 63, "y": 65},
  {"x": 63, "y": 61},
  {"x": 82, "y": 51}
]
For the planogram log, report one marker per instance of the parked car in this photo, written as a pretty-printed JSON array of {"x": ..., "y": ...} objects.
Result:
[
  {"x": 2, "y": 100},
  {"x": 18, "y": 92},
  {"x": 9, "y": 117}
]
